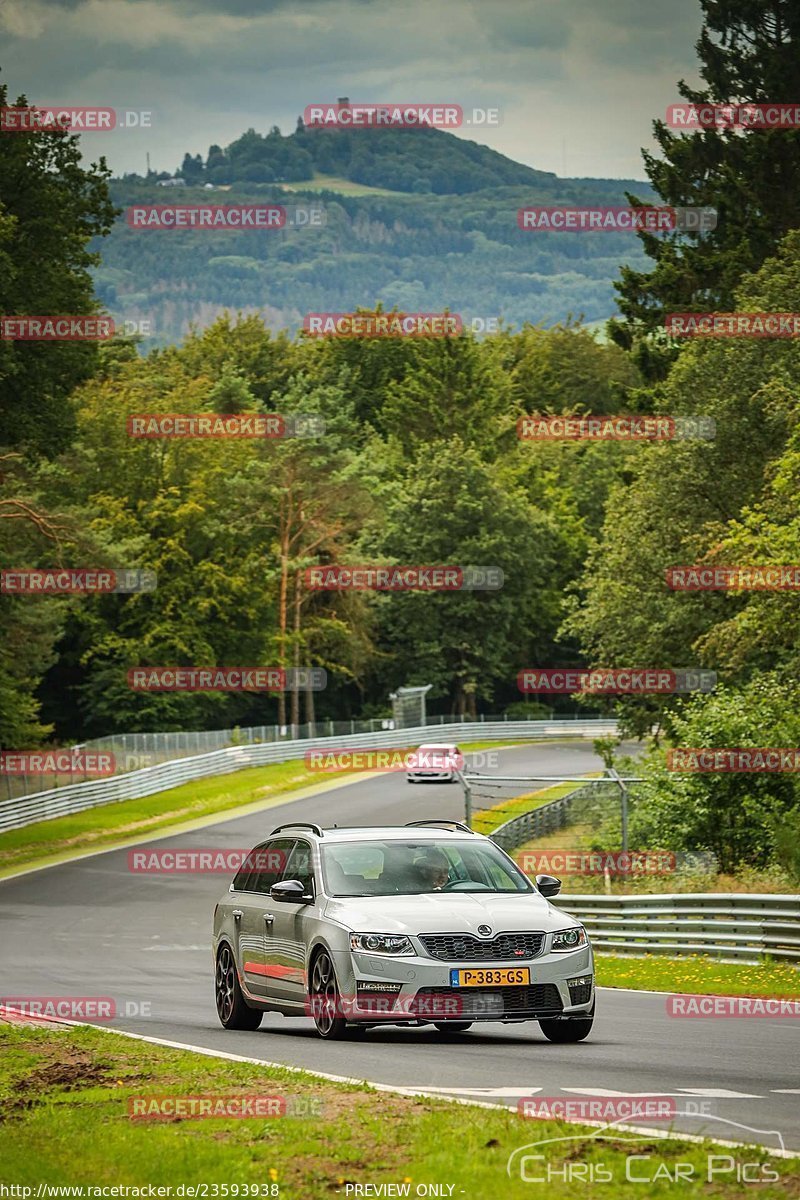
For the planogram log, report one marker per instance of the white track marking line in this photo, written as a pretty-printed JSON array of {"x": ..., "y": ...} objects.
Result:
[{"x": 721, "y": 1094}]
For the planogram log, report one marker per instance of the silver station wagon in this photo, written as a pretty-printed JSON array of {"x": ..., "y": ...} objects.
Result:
[{"x": 427, "y": 923}]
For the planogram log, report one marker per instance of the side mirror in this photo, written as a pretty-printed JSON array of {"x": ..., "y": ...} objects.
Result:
[
  {"x": 290, "y": 891},
  {"x": 548, "y": 885}
]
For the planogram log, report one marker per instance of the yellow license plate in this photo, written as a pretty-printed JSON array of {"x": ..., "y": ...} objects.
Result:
[{"x": 487, "y": 976}]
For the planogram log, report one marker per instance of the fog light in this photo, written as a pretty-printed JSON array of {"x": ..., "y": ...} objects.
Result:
[
  {"x": 580, "y": 989},
  {"x": 377, "y": 985}
]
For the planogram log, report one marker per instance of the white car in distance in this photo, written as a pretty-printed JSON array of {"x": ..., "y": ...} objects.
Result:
[{"x": 437, "y": 761}]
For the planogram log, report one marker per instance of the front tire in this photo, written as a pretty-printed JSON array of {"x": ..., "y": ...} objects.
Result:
[
  {"x": 574, "y": 1029},
  {"x": 325, "y": 1000},
  {"x": 232, "y": 1009}
]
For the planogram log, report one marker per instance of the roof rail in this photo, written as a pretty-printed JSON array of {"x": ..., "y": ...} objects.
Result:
[
  {"x": 441, "y": 821},
  {"x": 299, "y": 825}
]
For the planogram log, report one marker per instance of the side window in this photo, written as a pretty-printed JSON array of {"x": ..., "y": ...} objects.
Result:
[
  {"x": 246, "y": 871},
  {"x": 299, "y": 866},
  {"x": 270, "y": 864}
]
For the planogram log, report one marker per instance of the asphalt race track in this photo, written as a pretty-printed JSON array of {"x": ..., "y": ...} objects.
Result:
[{"x": 92, "y": 928}]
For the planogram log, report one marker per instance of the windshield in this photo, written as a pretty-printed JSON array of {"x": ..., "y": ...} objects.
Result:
[{"x": 394, "y": 868}]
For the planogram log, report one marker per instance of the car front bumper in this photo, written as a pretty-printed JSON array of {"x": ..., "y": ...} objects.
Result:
[
  {"x": 416, "y": 988},
  {"x": 421, "y": 775}
]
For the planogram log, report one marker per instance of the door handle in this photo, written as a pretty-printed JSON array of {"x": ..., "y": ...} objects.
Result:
[
  {"x": 269, "y": 918},
  {"x": 237, "y": 914}
]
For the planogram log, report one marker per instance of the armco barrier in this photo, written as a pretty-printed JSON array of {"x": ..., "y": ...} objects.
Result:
[
  {"x": 547, "y": 818},
  {"x": 725, "y": 925},
  {"x": 75, "y": 797}
]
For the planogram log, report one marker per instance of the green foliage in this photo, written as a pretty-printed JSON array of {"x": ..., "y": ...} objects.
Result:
[
  {"x": 742, "y": 818},
  {"x": 45, "y": 228},
  {"x": 748, "y": 54},
  {"x": 731, "y": 499},
  {"x": 416, "y": 252}
]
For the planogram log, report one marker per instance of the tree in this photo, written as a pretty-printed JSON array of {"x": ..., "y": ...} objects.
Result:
[
  {"x": 738, "y": 816},
  {"x": 451, "y": 509},
  {"x": 51, "y": 205},
  {"x": 749, "y": 52},
  {"x": 693, "y": 501}
]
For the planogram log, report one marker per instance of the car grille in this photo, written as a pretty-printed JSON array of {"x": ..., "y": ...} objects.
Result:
[
  {"x": 463, "y": 947},
  {"x": 541, "y": 999}
]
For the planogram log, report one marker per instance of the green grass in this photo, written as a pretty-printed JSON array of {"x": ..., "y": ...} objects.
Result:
[
  {"x": 64, "y": 1102},
  {"x": 698, "y": 974},
  {"x": 335, "y": 183},
  {"x": 604, "y": 834},
  {"x": 488, "y": 819},
  {"x": 110, "y": 824}
]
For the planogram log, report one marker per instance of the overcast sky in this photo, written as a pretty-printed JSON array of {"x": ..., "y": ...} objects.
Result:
[{"x": 577, "y": 83}]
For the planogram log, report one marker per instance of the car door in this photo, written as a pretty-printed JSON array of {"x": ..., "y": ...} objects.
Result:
[
  {"x": 268, "y": 862},
  {"x": 286, "y": 933}
]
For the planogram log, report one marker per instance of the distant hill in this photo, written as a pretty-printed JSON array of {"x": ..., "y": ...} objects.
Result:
[
  {"x": 417, "y": 219},
  {"x": 419, "y": 161}
]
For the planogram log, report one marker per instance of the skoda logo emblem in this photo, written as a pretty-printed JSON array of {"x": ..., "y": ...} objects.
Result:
[{"x": 484, "y": 930}]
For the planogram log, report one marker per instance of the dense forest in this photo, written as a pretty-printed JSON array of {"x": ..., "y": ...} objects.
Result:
[{"x": 416, "y": 218}]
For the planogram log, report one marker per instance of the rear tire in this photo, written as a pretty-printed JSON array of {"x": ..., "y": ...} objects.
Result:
[
  {"x": 453, "y": 1026},
  {"x": 232, "y": 1009}
]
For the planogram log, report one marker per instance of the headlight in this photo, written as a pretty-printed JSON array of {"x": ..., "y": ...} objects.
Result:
[
  {"x": 381, "y": 943},
  {"x": 569, "y": 939}
]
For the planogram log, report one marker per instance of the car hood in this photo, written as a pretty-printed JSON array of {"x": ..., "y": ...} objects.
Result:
[{"x": 447, "y": 912}]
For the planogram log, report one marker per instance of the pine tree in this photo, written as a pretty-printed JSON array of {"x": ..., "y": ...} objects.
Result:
[{"x": 749, "y": 52}]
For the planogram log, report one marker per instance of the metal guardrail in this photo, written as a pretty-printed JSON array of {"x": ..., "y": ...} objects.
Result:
[
  {"x": 547, "y": 818},
  {"x": 75, "y": 797},
  {"x": 735, "y": 926}
]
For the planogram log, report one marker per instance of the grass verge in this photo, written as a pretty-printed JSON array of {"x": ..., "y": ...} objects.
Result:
[
  {"x": 64, "y": 1108},
  {"x": 488, "y": 819},
  {"x": 698, "y": 974},
  {"x": 585, "y": 836}
]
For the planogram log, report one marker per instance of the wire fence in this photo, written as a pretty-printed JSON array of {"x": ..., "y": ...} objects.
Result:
[
  {"x": 18, "y": 811},
  {"x": 134, "y": 751}
]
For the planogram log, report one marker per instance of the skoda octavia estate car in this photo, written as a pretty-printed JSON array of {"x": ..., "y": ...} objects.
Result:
[{"x": 427, "y": 923}]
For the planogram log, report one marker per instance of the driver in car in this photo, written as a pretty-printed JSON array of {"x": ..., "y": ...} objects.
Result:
[{"x": 432, "y": 870}]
